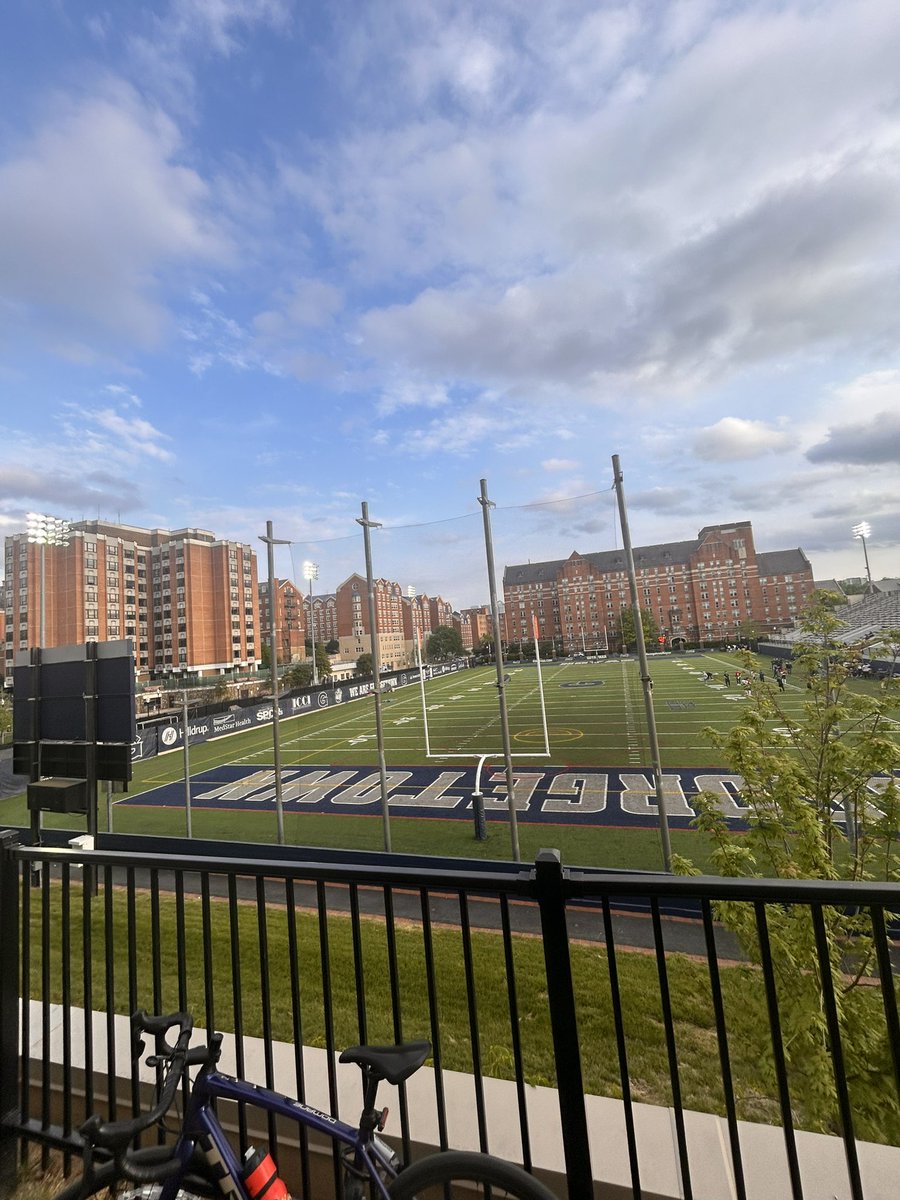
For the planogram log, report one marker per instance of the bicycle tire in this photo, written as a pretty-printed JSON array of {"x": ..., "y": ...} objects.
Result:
[{"x": 433, "y": 1178}]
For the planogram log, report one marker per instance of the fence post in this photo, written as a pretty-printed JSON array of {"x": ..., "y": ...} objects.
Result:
[
  {"x": 9, "y": 1011},
  {"x": 564, "y": 1024}
]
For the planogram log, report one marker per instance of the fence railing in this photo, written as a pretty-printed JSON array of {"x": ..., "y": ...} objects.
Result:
[{"x": 565, "y": 1034}]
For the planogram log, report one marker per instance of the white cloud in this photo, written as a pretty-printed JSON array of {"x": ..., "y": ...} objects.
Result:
[
  {"x": 410, "y": 393},
  {"x": 164, "y": 57},
  {"x": 104, "y": 433},
  {"x": 876, "y": 440},
  {"x": 734, "y": 438},
  {"x": 664, "y": 500},
  {"x": 95, "y": 209},
  {"x": 309, "y": 303},
  {"x": 720, "y": 218},
  {"x": 560, "y": 464},
  {"x": 487, "y": 427},
  {"x": 123, "y": 394},
  {"x": 61, "y": 489}
]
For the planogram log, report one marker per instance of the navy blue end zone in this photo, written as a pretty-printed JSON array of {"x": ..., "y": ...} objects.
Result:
[
  {"x": 549, "y": 795},
  {"x": 577, "y": 796}
]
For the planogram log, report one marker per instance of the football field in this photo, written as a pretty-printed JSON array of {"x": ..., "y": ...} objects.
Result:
[
  {"x": 595, "y": 787},
  {"x": 595, "y": 716}
]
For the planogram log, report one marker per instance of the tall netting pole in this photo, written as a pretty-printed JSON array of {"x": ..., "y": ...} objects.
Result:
[
  {"x": 271, "y": 542},
  {"x": 646, "y": 681},
  {"x": 376, "y": 669},
  {"x": 486, "y": 507}
]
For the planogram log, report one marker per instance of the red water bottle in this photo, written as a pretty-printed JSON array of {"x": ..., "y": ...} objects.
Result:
[{"x": 261, "y": 1178}]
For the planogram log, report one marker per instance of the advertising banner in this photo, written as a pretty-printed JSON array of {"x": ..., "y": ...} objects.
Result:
[{"x": 158, "y": 738}]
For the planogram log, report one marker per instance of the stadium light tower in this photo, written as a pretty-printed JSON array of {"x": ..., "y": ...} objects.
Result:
[
  {"x": 862, "y": 531},
  {"x": 311, "y": 572},
  {"x": 45, "y": 531}
]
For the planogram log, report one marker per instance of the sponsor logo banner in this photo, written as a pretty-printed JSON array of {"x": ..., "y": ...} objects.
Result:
[{"x": 156, "y": 739}]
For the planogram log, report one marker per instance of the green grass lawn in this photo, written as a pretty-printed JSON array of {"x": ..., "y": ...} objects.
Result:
[
  {"x": 595, "y": 717},
  {"x": 396, "y": 956}
]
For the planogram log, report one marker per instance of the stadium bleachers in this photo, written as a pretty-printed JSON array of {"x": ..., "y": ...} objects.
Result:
[{"x": 862, "y": 621}]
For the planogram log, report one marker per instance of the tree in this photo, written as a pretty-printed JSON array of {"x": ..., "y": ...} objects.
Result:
[
  {"x": 444, "y": 643},
  {"x": 298, "y": 676},
  {"x": 648, "y": 625},
  {"x": 333, "y": 646},
  {"x": 323, "y": 662},
  {"x": 5, "y": 717},
  {"x": 811, "y": 814},
  {"x": 484, "y": 647},
  {"x": 364, "y": 665},
  {"x": 265, "y": 656},
  {"x": 749, "y": 631}
]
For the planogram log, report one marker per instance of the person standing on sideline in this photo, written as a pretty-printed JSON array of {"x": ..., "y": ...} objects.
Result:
[
  {"x": 727, "y": 679},
  {"x": 781, "y": 681}
]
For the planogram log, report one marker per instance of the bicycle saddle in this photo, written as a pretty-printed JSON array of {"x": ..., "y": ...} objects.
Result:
[{"x": 393, "y": 1063}]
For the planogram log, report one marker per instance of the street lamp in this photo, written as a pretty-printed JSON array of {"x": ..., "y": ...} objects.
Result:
[
  {"x": 45, "y": 531},
  {"x": 311, "y": 572},
  {"x": 862, "y": 531}
]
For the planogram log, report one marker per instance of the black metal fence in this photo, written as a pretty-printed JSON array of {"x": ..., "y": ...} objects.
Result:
[{"x": 585, "y": 1043}]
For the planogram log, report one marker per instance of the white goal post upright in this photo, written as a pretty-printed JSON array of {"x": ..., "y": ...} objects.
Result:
[
  {"x": 537, "y": 658},
  {"x": 422, "y": 691},
  {"x": 545, "y": 753}
]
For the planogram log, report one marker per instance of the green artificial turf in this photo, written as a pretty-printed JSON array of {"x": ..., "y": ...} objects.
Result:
[{"x": 595, "y": 717}]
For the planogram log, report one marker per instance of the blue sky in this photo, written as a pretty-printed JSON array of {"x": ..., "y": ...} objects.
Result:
[{"x": 263, "y": 259}]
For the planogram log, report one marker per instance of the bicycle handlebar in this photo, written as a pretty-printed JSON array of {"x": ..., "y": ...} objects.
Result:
[{"x": 116, "y": 1136}]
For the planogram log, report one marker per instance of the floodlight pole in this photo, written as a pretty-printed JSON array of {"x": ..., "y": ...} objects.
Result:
[
  {"x": 646, "y": 681},
  {"x": 862, "y": 531},
  {"x": 52, "y": 531},
  {"x": 376, "y": 670},
  {"x": 43, "y": 593},
  {"x": 311, "y": 572},
  {"x": 486, "y": 507},
  {"x": 271, "y": 543}
]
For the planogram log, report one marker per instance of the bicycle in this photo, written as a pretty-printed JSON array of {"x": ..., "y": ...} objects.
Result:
[{"x": 202, "y": 1162}]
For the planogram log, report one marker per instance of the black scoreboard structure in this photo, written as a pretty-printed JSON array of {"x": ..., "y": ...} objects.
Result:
[{"x": 73, "y": 724}]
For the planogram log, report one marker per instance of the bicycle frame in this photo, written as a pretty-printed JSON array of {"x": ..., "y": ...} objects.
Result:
[{"x": 202, "y": 1129}]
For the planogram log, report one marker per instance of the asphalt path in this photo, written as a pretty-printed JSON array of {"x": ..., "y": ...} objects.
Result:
[{"x": 484, "y": 912}]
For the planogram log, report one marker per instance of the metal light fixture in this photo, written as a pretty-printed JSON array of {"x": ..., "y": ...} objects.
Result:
[
  {"x": 862, "y": 531},
  {"x": 311, "y": 572},
  {"x": 44, "y": 531}
]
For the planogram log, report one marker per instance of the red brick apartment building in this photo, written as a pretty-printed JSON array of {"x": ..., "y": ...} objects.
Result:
[
  {"x": 703, "y": 590},
  {"x": 423, "y": 615},
  {"x": 352, "y": 604},
  {"x": 474, "y": 624},
  {"x": 292, "y": 622},
  {"x": 325, "y": 613},
  {"x": 290, "y": 619},
  {"x": 188, "y": 600}
]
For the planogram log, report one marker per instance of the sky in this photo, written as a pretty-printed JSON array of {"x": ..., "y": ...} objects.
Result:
[{"x": 271, "y": 259}]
